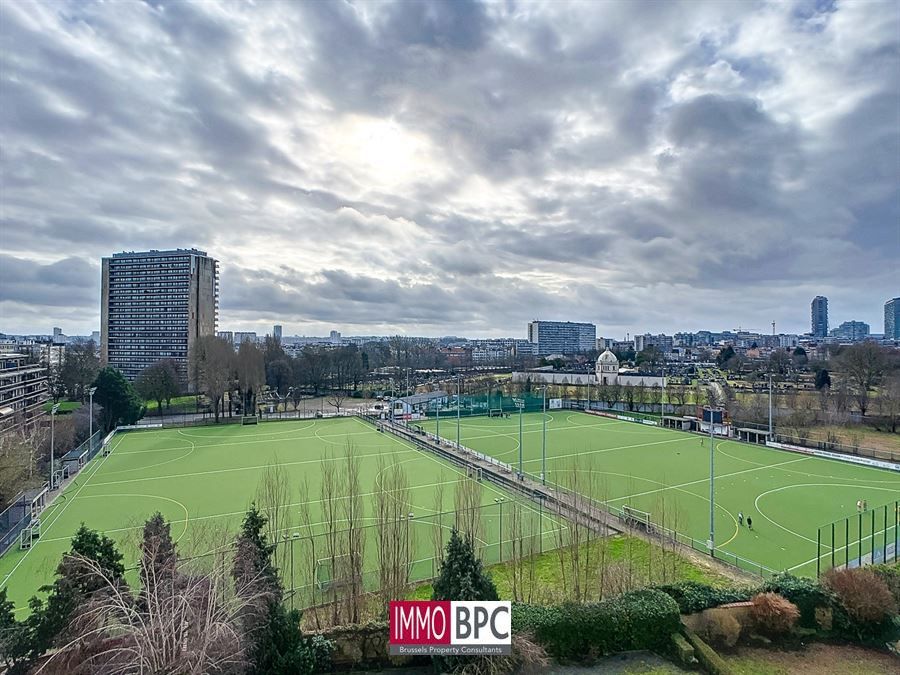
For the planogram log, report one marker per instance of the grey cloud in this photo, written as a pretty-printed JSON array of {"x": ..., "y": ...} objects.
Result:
[
  {"x": 66, "y": 283},
  {"x": 594, "y": 163}
]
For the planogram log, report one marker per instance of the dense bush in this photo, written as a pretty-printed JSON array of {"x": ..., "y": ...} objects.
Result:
[
  {"x": 692, "y": 596},
  {"x": 807, "y": 594},
  {"x": 890, "y": 575},
  {"x": 863, "y": 594},
  {"x": 722, "y": 628},
  {"x": 774, "y": 614},
  {"x": 638, "y": 620}
]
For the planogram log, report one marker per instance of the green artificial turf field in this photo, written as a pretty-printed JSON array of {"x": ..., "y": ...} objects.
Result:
[
  {"x": 202, "y": 479},
  {"x": 787, "y": 495}
]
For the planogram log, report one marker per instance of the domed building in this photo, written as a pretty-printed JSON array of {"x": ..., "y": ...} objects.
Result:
[{"x": 607, "y": 368}]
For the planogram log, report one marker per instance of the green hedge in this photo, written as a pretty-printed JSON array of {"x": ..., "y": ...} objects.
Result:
[
  {"x": 693, "y": 596},
  {"x": 638, "y": 620},
  {"x": 807, "y": 594}
]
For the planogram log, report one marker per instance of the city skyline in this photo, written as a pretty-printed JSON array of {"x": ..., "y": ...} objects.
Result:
[{"x": 457, "y": 168}]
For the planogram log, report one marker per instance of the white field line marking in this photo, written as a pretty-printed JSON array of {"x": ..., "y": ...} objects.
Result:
[
  {"x": 238, "y": 513},
  {"x": 69, "y": 500},
  {"x": 804, "y": 473},
  {"x": 801, "y": 485},
  {"x": 706, "y": 480},
  {"x": 153, "y": 466},
  {"x": 239, "y": 468},
  {"x": 249, "y": 434},
  {"x": 247, "y": 442}
]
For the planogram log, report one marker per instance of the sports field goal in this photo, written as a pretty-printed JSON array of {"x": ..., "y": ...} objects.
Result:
[
  {"x": 636, "y": 517},
  {"x": 495, "y": 412},
  {"x": 335, "y": 573},
  {"x": 249, "y": 419}
]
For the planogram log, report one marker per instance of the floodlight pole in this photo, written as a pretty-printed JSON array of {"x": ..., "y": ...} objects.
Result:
[
  {"x": 521, "y": 410},
  {"x": 499, "y": 502},
  {"x": 544, "y": 435},
  {"x": 52, "y": 440},
  {"x": 770, "y": 407},
  {"x": 91, "y": 415},
  {"x": 438, "y": 430},
  {"x": 712, "y": 489},
  {"x": 457, "y": 411}
]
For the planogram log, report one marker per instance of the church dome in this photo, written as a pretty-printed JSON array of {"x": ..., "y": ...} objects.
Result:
[{"x": 607, "y": 358}]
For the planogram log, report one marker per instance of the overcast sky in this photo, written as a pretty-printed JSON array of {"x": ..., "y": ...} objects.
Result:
[{"x": 436, "y": 168}]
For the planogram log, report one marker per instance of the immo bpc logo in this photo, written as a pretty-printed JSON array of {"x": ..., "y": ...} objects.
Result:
[{"x": 444, "y": 627}]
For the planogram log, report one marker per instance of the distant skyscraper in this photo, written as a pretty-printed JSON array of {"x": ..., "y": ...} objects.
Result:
[
  {"x": 819, "y": 316},
  {"x": 276, "y": 332},
  {"x": 892, "y": 319},
  {"x": 852, "y": 331},
  {"x": 154, "y": 305},
  {"x": 562, "y": 337}
]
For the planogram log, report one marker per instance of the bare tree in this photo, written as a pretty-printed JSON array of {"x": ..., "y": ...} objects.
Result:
[
  {"x": 863, "y": 365},
  {"x": 330, "y": 500},
  {"x": 273, "y": 496},
  {"x": 251, "y": 375},
  {"x": 212, "y": 366},
  {"x": 437, "y": 527},
  {"x": 336, "y": 400},
  {"x": 354, "y": 533},
  {"x": 392, "y": 529},
  {"x": 185, "y": 624},
  {"x": 889, "y": 400},
  {"x": 467, "y": 505}
]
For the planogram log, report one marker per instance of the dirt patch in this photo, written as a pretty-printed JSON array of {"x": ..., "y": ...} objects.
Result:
[{"x": 813, "y": 660}]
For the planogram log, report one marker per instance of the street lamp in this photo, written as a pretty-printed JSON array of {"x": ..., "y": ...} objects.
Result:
[
  {"x": 520, "y": 404},
  {"x": 544, "y": 437},
  {"x": 91, "y": 417},
  {"x": 712, "y": 490},
  {"x": 499, "y": 502},
  {"x": 52, "y": 440},
  {"x": 457, "y": 411}
]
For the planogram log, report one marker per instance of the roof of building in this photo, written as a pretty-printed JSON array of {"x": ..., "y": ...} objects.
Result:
[
  {"x": 607, "y": 357},
  {"x": 423, "y": 398}
]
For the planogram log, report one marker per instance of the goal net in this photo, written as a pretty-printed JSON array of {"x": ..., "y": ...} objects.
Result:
[
  {"x": 495, "y": 412},
  {"x": 249, "y": 419},
  {"x": 637, "y": 517},
  {"x": 335, "y": 573}
]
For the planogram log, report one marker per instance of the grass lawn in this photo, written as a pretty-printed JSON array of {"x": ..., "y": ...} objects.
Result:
[
  {"x": 202, "y": 480},
  {"x": 645, "y": 562},
  {"x": 64, "y": 406},
  {"x": 178, "y": 404},
  {"x": 665, "y": 472},
  {"x": 814, "y": 659}
]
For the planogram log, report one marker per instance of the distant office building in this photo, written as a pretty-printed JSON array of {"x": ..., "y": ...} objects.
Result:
[
  {"x": 154, "y": 306},
  {"x": 276, "y": 332},
  {"x": 850, "y": 330},
  {"x": 853, "y": 331},
  {"x": 334, "y": 337},
  {"x": 244, "y": 336},
  {"x": 892, "y": 319},
  {"x": 819, "y": 317},
  {"x": 562, "y": 337},
  {"x": 604, "y": 343},
  {"x": 23, "y": 391},
  {"x": 664, "y": 343},
  {"x": 226, "y": 335}
]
